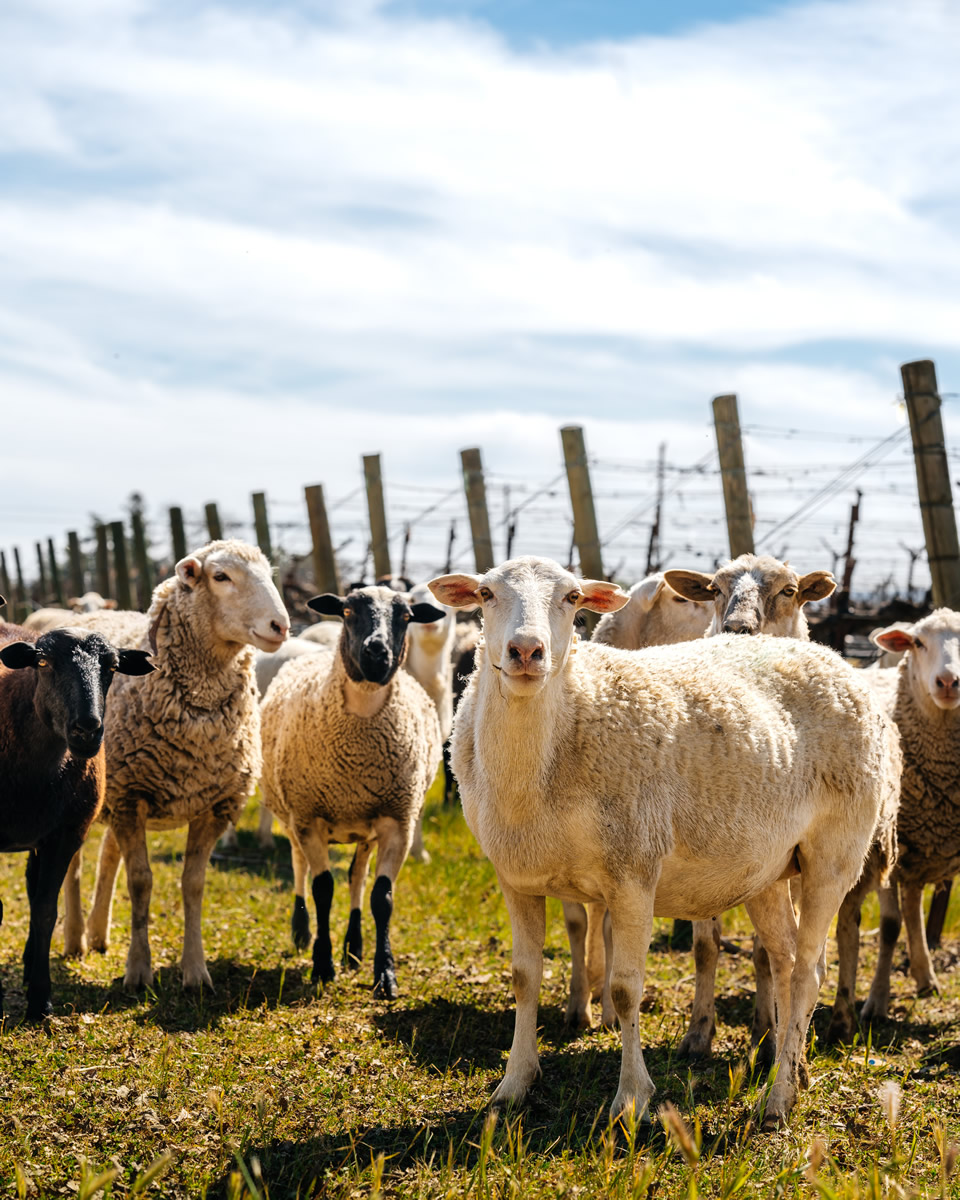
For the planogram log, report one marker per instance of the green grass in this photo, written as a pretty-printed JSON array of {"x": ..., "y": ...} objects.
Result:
[{"x": 271, "y": 1087}]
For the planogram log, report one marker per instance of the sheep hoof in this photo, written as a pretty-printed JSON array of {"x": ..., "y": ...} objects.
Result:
[
  {"x": 197, "y": 977},
  {"x": 841, "y": 1028},
  {"x": 576, "y": 1018},
  {"x": 353, "y": 942},
  {"x": 75, "y": 947},
  {"x": 766, "y": 1053},
  {"x": 928, "y": 988},
  {"x": 323, "y": 972},
  {"x": 385, "y": 985},
  {"x": 626, "y": 1103},
  {"x": 697, "y": 1043},
  {"x": 39, "y": 1010},
  {"x": 300, "y": 924},
  {"x": 138, "y": 977}
]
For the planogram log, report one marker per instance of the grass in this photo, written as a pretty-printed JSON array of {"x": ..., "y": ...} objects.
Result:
[{"x": 273, "y": 1088}]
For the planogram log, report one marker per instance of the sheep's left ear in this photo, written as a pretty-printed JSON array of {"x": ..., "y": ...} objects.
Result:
[
  {"x": 425, "y": 614},
  {"x": 456, "y": 591},
  {"x": 692, "y": 585},
  {"x": 896, "y": 638},
  {"x": 328, "y": 604},
  {"x": 17, "y": 655},
  {"x": 189, "y": 571},
  {"x": 2, "y": 602},
  {"x": 134, "y": 662},
  {"x": 815, "y": 586},
  {"x": 601, "y": 596}
]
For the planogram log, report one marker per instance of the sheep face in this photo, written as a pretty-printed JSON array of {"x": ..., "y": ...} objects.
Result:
[
  {"x": 529, "y": 605},
  {"x": 432, "y": 636},
  {"x": 754, "y": 595},
  {"x": 687, "y": 619},
  {"x": 74, "y": 670},
  {"x": 375, "y": 621},
  {"x": 245, "y": 606},
  {"x": 934, "y": 659}
]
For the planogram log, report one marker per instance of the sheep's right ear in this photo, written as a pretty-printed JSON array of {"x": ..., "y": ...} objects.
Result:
[
  {"x": 897, "y": 638},
  {"x": 2, "y": 602},
  {"x": 189, "y": 571},
  {"x": 134, "y": 662},
  {"x": 17, "y": 655},
  {"x": 692, "y": 585},
  {"x": 645, "y": 594},
  {"x": 328, "y": 604},
  {"x": 456, "y": 591},
  {"x": 426, "y": 614}
]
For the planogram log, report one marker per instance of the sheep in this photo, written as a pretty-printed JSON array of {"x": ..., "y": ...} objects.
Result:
[
  {"x": 325, "y": 633},
  {"x": 655, "y": 615},
  {"x": 42, "y": 619},
  {"x": 923, "y": 697},
  {"x": 350, "y": 745},
  {"x": 183, "y": 749},
  {"x": 674, "y": 782},
  {"x": 749, "y": 595},
  {"x": 53, "y": 689},
  {"x": 429, "y": 660}
]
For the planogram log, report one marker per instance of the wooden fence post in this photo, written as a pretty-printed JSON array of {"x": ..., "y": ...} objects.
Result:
[
  {"x": 21, "y": 605},
  {"x": 261, "y": 524},
  {"x": 939, "y": 528},
  {"x": 43, "y": 594},
  {"x": 55, "y": 573},
  {"x": 736, "y": 499},
  {"x": 142, "y": 561},
  {"x": 77, "y": 579},
  {"x": 103, "y": 563},
  {"x": 5, "y": 590},
  {"x": 177, "y": 535},
  {"x": 378, "y": 517},
  {"x": 584, "y": 514},
  {"x": 476, "y": 490},
  {"x": 214, "y": 528},
  {"x": 121, "y": 568},
  {"x": 324, "y": 563}
]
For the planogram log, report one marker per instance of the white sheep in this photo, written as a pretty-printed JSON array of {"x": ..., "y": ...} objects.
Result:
[
  {"x": 324, "y": 633},
  {"x": 923, "y": 697},
  {"x": 429, "y": 659},
  {"x": 350, "y": 744},
  {"x": 183, "y": 747},
  {"x": 676, "y": 782},
  {"x": 654, "y": 615},
  {"x": 43, "y": 619}
]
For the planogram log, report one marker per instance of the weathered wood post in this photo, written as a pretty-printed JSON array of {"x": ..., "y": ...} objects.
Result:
[
  {"x": 939, "y": 527},
  {"x": 178, "y": 537},
  {"x": 476, "y": 491},
  {"x": 55, "y": 573},
  {"x": 5, "y": 589},
  {"x": 584, "y": 514},
  {"x": 77, "y": 578},
  {"x": 261, "y": 524},
  {"x": 325, "y": 574},
  {"x": 121, "y": 568},
  {"x": 103, "y": 563},
  {"x": 736, "y": 499},
  {"x": 43, "y": 595},
  {"x": 214, "y": 528},
  {"x": 142, "y": 561},
  {"x": 378, "y": 516},
  {"x": 21, "y": 604}
]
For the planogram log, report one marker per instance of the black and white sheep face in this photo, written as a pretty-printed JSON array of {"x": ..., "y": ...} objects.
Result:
[
  {"x": 934, "y": 660},
  {"x": 74, "y": 671},
  {"x": 246, "y": 608},
  {"x": 754, "y": 595},
  {"x": 529, "y": 605},
  {"x": 375, "y": 621}
]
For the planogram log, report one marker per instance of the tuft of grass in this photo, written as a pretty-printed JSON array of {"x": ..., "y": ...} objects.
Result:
[{"x": 270, "y": 1087}]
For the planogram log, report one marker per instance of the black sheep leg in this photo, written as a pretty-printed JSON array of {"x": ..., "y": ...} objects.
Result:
[
  {"x": 353, "y": 942},
  {"x": 300, "y": 923},
  {"x": 46, "y": 871},
  {"x": 381, "y": 905},
  {"x": 322, "y": 887}
]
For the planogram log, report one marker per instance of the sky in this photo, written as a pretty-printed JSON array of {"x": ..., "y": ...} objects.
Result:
[{"x": 243, "y": 244}]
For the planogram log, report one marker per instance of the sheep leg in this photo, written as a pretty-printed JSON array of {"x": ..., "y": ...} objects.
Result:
[
  {"x": 608, "y": 1018},
  {"x": 577, "y": 1014},
  {"x": 357, "y": 877},
  {"x": 317, "y": 850},
  {"x": 596, "y": 954},
  {"x": 46, "y": 868},
  {"x": 776, "y": 925},
  {"x": 418, "y": 852},
  {"x": 844, "y": 1019},
  {"x": 921, "y": 964},
  {"x": 265, "y": 828},
  {"x": 98, "y": 922},
  {"x": 528, "y": 923},
  {"x": 300, "y": 921},
  {"x": 202, "y": 836},
  {"x": 763, "y": 1031},
  {"x": 74, "y": 937},
  {"x": 393, "y": 841},
  {"x": 631, "y": 916},
  {"x": 877, "y": 1002},
  {"x": 230, "y": 840},
  {"x": 703, "y": 1023},
  {"x": 133, "y": 846}
]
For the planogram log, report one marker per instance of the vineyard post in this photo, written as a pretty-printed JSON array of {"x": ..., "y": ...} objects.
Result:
[
  {"x": 77, "y": 580},
  {"x": 261, "y": 524},
  {"x": 736, "y": 499},
  {"x": 324, "y": 562},
  {"x": 214, "y": 528},
  {"x": 121, "y": 568},
  {"x": 584, "y": 514},
  {"x": 55, "y": 573},
  {"x": 476, "y": 491},
  {"x": 178, "y": 537},
  {"x": 378, "y": 517}
]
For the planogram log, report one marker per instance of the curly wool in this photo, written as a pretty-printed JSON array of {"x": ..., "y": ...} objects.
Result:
[
  {"x": 322, "y": 762},
  {"x": 186, "y": 738}
]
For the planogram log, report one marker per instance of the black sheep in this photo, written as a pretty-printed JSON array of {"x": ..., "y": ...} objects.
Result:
[{"x": 52, "y": 773}]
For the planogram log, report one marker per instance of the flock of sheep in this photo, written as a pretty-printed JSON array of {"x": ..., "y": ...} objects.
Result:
[{"x": 666, "y": 767}]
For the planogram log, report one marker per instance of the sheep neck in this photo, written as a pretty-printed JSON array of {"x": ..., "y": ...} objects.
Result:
[
  {"x": 360, "y": 697},
  {"x": 207, "y": 670},
  {"x": 930, "y": 750}
]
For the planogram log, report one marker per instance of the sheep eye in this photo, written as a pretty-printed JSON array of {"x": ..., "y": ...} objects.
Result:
[
  {"x": 407, "y": 616},
  {"x": 574, "y": 596},
  {"x": 43, "y": 662},
  {"x": 679, "y": 599},
  {"x": 789, "y": 590},
  {"x": 485, "y": 593},
  {"x": 222, "y": 577},
  {"x": 918, "y": 645},
  {"x": 347, "y": 612}
]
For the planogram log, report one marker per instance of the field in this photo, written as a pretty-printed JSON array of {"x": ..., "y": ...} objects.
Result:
[{"x": 269, "y": 1088}]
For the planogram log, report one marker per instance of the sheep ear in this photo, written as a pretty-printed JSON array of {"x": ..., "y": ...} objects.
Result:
[
  {"x": 456, "y": 591},
  {"x": 109, "y": 604},
  {"x": 134, "y": 662},
  {"x": 17, "y": 655},
  {"x": 189, "y": 571},
  {"x": 328, "y": 604},
  {"x": 692, "y": 585},
  {"x": 815, "y": 586},
  {"x": 425, "y": 614},
  {"x": 2, "y": 602},
  {"x": 601, "y": 596},
  {"x": 894, "y": 637},
  {"x": 645, "y": 594}
]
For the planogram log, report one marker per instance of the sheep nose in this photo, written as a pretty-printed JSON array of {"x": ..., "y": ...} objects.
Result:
[
  {"x": 525, "y": 650},
  {"x": 87, "y": 726},
  {"x": 280, "y": 628},
  {"x": 947, "y": 681},
  {"x": 737, "y": 626}
]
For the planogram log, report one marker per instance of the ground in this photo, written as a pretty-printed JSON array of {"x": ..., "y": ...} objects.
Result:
[{"x": 275, "y": 1088}]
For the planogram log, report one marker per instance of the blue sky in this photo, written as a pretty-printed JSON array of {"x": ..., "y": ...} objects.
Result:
[{"x": 243, "y": 244}]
